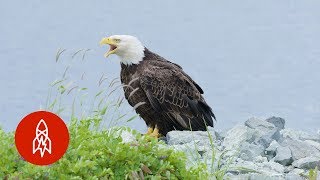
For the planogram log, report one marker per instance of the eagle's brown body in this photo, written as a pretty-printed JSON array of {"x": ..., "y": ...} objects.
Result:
[{"x": 172, "y": 100}]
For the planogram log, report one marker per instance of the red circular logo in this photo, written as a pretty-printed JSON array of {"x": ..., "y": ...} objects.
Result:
[{"x": 42, "y": 138}]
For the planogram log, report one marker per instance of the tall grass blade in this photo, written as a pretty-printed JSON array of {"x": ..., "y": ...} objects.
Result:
[{"x": 59, "y": 52}]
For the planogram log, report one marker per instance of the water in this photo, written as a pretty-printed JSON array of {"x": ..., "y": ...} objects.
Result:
[{"x": 251, "y": 58}]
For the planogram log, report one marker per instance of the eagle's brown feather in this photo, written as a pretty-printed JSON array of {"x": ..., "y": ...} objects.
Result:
[{"x": 172, "y": 99}]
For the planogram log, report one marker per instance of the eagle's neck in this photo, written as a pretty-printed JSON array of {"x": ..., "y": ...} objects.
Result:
[
  {"x": 127, "y": 72},
  {"x": 149, "y": 55},
  {"x": 135, "y": 59},
  {"x": 132, "y": 55},
  {"x": 127, "y": 68}
]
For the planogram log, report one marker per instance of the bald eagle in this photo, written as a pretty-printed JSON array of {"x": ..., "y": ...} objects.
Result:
[{"x": 163, "y": 94}]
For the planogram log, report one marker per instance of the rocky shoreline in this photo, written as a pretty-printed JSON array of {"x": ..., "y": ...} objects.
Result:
[{"x": 256, "y": 149}]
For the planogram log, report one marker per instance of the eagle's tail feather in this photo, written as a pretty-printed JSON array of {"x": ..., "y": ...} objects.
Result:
[
  {"x": 202, "y": 114},
  {"x": 206, "y": 110}
]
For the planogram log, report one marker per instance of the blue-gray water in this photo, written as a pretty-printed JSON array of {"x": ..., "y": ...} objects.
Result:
[{"x": 252, "y": 58}]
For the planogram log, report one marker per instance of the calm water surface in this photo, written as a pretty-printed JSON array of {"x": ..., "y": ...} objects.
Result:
[{"x": 251, "y": 58}]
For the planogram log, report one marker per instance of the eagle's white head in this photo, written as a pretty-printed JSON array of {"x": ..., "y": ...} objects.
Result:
[{"x": 128, "y": 48}]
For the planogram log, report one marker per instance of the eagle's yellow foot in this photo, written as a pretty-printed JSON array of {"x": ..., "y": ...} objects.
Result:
[
  {"x": 153, "y": 132},
  {"x": 150, "y": 130}
]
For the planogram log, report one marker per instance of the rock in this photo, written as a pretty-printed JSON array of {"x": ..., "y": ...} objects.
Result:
[
  {"x": 272, "y": 168},
  {"x": 265, "y": 132},
  {"x": 269, "y": 168},
  {"x": 262, "y": 134},
  {"x": 127, "y": 137},
  {"x": 300, "y": 149},
  {"x": 220, "y": 135},
  {"x": 297, "y": 171},
  {"x": 277, "y": 121},
  {"x": 253, "y": 176},
  {"x": 260, "y": 159},
  {"x": 268, "y": 137},
  {"x": 270, "y": 152},
  {"x": 256, "y": 176},
  {"x": 283, "y": 156},
  {"x": 293, "y": 177},
  {"x": 257, "y": 149},
  {"x": 307, "y": 163},
  {"x": 249, "y": 151},
  {"x": 183, "y": 137},
  {"x": 125, "y": 133},
  {"x": 255, "y": 123},
  {"x": 193, "y": 151},
  {"x": 299, "y": 135},
  {"x": 313, "y": 143},
  {"x": 243, "y": 167},
  {"x": 236, "y": 136},
  {"x": 287, "y": 169},
  {"x": 196, "y": 145}
]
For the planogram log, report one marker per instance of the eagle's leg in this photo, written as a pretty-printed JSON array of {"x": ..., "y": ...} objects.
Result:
[
  {"x": 150, "y": 130},
  {"x": 155, "y": 132}
]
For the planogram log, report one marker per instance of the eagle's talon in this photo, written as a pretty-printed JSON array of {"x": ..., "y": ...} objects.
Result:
[
  {"x": 153, "y": 132},
  {"x": 155, "y": 135},
  {"x": 150, "y": 130}
]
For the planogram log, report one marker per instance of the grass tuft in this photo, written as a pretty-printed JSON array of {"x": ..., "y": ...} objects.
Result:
[{"x": 96, "y": 154}]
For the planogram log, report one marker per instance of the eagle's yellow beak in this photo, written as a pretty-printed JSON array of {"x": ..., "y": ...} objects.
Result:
[{"x": 112, "y": 43}]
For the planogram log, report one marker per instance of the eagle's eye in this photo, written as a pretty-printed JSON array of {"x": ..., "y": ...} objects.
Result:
[{"x": 117, "y": 40}]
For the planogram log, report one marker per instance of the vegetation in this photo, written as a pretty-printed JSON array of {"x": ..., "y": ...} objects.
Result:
[
  {"x": 313, "y": 174},
  {"x": 96, "y": 149},
  {"x": 100, "y": 154}
]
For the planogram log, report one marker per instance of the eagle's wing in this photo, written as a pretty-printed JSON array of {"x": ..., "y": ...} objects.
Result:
[{"x": 176, "y": 96}]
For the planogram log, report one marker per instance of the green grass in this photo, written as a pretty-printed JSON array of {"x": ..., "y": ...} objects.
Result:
[
  {"x": 313, "y": 174},
  {"x": 96, "y": 150},
  {"x": 101, "y": 154}
]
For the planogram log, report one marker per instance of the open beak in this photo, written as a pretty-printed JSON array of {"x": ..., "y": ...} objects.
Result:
[{"x": 113, "y": 46}]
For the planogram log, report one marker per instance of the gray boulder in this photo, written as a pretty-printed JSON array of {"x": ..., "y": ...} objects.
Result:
[
  {"x": 313, "y": 143},
  {"x": 270, "y": 152},
  {"x": 254, "y": 176},
  {"x": 250, "y": 140},
  {"x": 268, "y": 137},
  {"x": 277, "y": 121},
  {"x": 260, "y": 159},
  {"x": 255, "y": 123},
  {"x": 296, "y": 171},
  {"x": 266, "y": 132},
  {"x": 126, "y": 134},
  {"x": 237, "y": 136},
  {"x": 196, "y": 145},
  {"x": 220, "y": 135},
  {"x": 264, "y": 167},
  {"x": 183, "y": 137},
  {"x": 283, "y": 156},
  {"x": 257, "y": 149},
  {"x": 307, "y": 163},
  {"x": 293, "y": 177},
  {"x": 300, "y": 149},
  {"x": 249, "y": 151},
  {"x": 299, "y": 135}
]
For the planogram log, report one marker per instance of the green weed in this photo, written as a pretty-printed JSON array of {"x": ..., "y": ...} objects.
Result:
[
  {"x": 97, "y": 151},
  {"x": 100, "y": 154}
]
